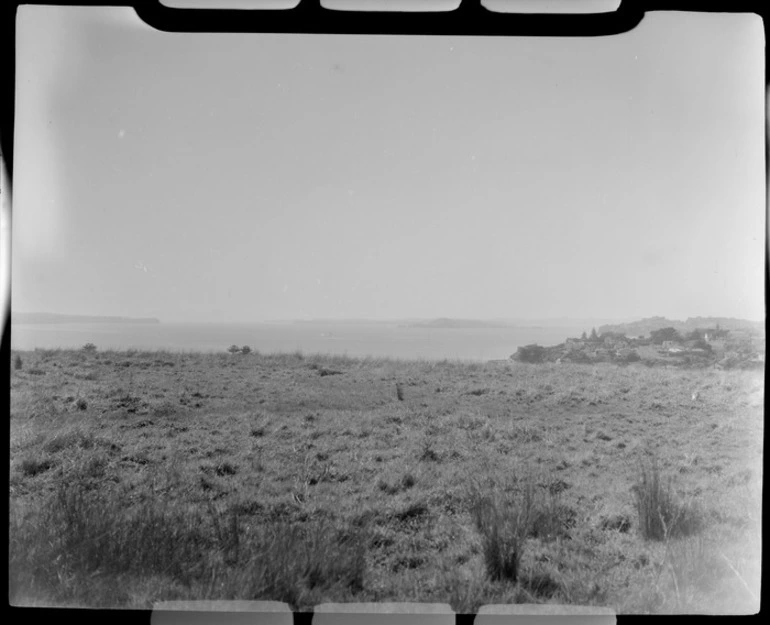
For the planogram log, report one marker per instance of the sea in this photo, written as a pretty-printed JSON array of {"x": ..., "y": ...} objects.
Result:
[{"x": 356, "y": 340}]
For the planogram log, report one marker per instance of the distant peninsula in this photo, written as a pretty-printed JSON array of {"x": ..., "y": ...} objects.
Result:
[
  {"x": 42, "y": 318},
  {"x": 721, "y": 342},
  {"x": 651, "y": 324},
  {"x": 333, "y": 321}
]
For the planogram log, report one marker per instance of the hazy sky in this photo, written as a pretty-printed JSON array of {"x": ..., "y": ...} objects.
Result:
[{"x": 199, "y": 177}]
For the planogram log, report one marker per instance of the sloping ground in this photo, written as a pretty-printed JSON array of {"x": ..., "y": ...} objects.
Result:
[{"x": 233, "y": 460}]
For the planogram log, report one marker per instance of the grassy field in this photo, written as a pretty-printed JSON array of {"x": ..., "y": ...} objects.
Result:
[{"x": 139, "y": 476}]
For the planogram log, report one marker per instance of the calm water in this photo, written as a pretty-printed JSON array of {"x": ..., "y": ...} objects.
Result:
[{"x": 354, "y": 340}]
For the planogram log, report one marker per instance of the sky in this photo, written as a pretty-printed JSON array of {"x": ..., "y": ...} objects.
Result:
[{"x": 246, "y": 177}]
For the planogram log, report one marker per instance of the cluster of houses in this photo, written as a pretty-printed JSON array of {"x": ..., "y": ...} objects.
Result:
[
  {"x": 738, "y": 348},
  {"x": 719, "y": 347},
  {"x": 722, "y": 348},
  {"x": 606, "y": 347}
]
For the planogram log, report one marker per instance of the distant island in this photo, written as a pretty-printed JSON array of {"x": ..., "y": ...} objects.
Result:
[
  {"x": 333, "y": 321},
  {"x": 42, "y": 318},
  {"x": 444, "y": 322},
  {"x": 455, "y": 323}
]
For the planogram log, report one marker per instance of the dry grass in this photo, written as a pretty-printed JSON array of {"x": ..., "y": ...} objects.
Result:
[
  {"x": 661, "y": 515},
  {"x": 206, "y": 551},
  {"x": 504, "y": 520},
  {"x": 141, "y": 476}
]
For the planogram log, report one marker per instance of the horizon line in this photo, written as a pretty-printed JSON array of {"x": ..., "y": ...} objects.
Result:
[{"x": 306, "y": 319}]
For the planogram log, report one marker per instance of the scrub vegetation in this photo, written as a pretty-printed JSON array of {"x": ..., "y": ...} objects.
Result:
[{"x": 146, "y": 476}]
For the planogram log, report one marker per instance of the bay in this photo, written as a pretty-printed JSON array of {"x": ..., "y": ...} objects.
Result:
[{"x": 358, "y": 339}]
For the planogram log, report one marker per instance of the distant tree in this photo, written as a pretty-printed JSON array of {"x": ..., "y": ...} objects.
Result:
[
  {"x": 664, "y": 334},
  {"x": 89, "y": 347},
  {"x": 694, "y": 335},
  {"x": 234, "y": 349},
  {"x": 530, "y": 353},
  {"x": 717, "y": 333},
  {"x": 594, "y": 335},
  {"x": 245, "y": 349},
  {"x": 583, "y": 336},
  {"x": 701, "y": 344}
]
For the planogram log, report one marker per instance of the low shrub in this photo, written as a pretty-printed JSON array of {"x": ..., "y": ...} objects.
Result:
[
  {"x": 34, "y": 466},
  {"x": 552, "y": 520},
  {"x": 530, "y": 353},
  {"x": 412, "y": 511},
  {"x": 405, "y": 483},
  {"x": 387, "y": 487},
  {"x": 632, "y": 357},
  {"x": 67, "y": 438}
]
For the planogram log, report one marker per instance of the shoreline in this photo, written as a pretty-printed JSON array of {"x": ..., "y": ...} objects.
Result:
[{"x": 282, "y": 355}]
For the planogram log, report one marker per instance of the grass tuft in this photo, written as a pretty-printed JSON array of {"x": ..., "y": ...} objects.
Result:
[
  {"x": 429, "y": 453},
  {"x": 225, "y": 468},
  {"x": 414, "y": 510},
  {"x": 661, "y": 514},
  {"x": 503, "y": 518}
]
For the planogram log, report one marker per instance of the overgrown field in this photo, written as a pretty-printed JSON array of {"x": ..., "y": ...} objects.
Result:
[{"x": 140, "y": 476}]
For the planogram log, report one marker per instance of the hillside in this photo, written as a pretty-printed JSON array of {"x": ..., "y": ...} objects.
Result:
[
  {"x": 643, "y": 327},
  {"x": 137, "y": 477}
]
